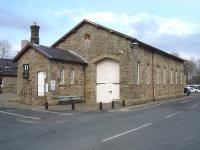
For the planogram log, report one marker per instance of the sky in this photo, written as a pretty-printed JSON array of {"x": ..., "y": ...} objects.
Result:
[{"x": 170, "y": 25}]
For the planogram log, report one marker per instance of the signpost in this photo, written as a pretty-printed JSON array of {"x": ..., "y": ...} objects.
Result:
[{"x": 25, "y": 71}]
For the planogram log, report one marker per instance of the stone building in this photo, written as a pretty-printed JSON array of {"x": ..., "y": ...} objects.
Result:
[
  {"x": 100, "y": 65},
  {"x": 8, "y": 76}
]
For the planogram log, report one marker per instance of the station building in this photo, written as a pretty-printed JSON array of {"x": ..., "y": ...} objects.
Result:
[{"x": 100, "y": 65}]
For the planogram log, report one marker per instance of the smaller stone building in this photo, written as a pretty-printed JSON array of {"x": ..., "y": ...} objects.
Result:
[
  {"x": 8, "y": 76},
  {"x": 44, "y": 73}
]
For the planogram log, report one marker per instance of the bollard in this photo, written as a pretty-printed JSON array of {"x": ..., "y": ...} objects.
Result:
[
  {"x": 46, "y": 105},
  {"x": 73, "y": 105},
  {"x": 113, "y": 104},
  {"x": 100, "y": 106},
  {"x": 123, "y": 103}
]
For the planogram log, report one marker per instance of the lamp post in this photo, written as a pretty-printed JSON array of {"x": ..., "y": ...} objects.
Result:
[
  {"x": 1, "y": 75},
  {"x": 135, "y": 44},
  {"x": 1, "y": 78}
]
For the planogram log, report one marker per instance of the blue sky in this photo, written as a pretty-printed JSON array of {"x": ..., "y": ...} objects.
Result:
[{"x": 173, "y": 26}]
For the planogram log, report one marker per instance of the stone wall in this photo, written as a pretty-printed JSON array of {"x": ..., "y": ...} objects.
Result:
[
  {"x": 104, "y": 44},
  {"x": 9, "y": 84},
  {"x": 39, "y": 63}
]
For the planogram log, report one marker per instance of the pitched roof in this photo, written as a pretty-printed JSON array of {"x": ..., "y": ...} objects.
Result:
[
  {"x": 149, "y": 47},
  {"x": 8, "y": 67},
  {"x": 53, "y": 54}
]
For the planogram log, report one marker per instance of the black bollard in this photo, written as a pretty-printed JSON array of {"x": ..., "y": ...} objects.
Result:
[
  {"x": 113, "y": 104},
  {"x": 100, "y": 106},
  {"x": 73, "y": 105},
  {"x": 46, "y": 105},
  {"x": 123, "y": 103}
]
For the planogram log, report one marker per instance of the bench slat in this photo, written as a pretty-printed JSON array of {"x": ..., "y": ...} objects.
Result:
[{"x": 69, "y": 98}]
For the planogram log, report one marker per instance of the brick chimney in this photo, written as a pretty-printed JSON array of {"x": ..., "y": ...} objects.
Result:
[{"x": 35, "y": 33}]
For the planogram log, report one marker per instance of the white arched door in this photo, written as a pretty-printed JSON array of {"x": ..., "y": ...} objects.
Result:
[
  {"x": 108, "y": 79},
  {"x": 41, "y": 83}
]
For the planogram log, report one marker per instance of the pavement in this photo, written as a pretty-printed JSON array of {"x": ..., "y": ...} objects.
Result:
[
  {"x": 6, "y": 101},
  {"x": 171, "y": 125}
]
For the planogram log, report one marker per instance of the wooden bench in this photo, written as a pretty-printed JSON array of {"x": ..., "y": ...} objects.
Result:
[{"x": 69, "y": 99}]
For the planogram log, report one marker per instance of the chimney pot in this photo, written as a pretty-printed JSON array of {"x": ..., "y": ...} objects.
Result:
[{"x": 24, "y": 43}]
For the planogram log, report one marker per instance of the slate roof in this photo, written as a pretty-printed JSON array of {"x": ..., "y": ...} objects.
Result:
[
  {"x": 53, "y": 54},
  {"x": 149, "y": 47},
  {"x": 8, "y": 67}
]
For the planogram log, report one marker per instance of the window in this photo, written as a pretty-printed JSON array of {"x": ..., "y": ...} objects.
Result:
[
  {"x": 87, "y": 39},
  {"x": 164, "y": 76},
  {"x": 138, "y": 73},
  {"x": 72, "y": 74},
  {"x": 181, "y": 82},
  {"x": 148, "y": 74},
  {"x": 171, "y": 76},
  {"x": 176, "y": 77},
  {"x": 157, "y": 75},
  {"x": 62, "y": 76},
  {"x": 1, "y": 82}
]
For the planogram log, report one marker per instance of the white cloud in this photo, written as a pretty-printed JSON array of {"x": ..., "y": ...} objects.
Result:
[
  {"x": 162, "y": 32},
  {"x": 176, "y": 27},
  {"x": 172, "y": 26},
  {"x": 192, "y": 3},
  {"x": 15, "y": 48}
]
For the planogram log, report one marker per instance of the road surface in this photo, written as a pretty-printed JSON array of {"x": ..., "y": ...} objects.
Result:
[{"x": 168, "y": 126}]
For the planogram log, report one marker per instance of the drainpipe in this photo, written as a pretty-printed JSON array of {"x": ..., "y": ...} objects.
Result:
[
  {"x": 169, "y": 75},
  {"x": 153, "y": 76},
  {"x": 84, "y": 92}
]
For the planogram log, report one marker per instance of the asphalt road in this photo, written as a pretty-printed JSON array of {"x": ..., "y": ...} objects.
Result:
[{"x": 169, "y": 126}]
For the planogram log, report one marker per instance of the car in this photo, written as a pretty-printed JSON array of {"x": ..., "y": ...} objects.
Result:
[
  {"x": 193, "y": 90},
  {"x": 187, "y": 91},
  {"x": 197, "y": 90}
]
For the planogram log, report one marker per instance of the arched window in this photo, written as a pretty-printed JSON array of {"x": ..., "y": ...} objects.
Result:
[
  {"x": 138, "y": 73},
  {"x": 148, "y": 74},
  {"x": 87, "y": 39},
  {"x": 157, "y": 75},
  {"x": 181, "y": 78},
  {"x": 72, "y": 75},
  {"x": 1, "y": 83},
  {"x": 164, "y": 75},
  {"x": 62, "y": 76},
  {"x": 171, "y": 76}
]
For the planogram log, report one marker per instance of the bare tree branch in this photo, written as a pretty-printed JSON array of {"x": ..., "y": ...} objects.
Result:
[{"x": 4, "y": 49}]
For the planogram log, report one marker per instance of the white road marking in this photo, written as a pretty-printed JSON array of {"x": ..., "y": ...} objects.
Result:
[
  {"x": 185, "y": 101},
  {"x": 194, "y": 106},
  {"x": 146, "y": 107},
  {"x": 4, "y": 112},
  {"x": 126, "y": 132},
  {"x": 53, "y": 112},
  {"x": 172, "y": 115},
  {"x": 133, "y": 109}
]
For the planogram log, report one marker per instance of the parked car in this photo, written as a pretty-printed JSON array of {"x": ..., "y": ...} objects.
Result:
[
  {"x": 197, "y": 91},
  {"x": 193, "y": 90},
  {"x": 187, "y": 91}
]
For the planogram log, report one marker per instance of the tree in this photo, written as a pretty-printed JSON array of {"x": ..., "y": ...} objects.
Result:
[
  {"x": 4, "y": 49},
  {"x": 198, "y": 70},
  {"x": 192, "y": 71},
  {"x": 175, "y": 54}
]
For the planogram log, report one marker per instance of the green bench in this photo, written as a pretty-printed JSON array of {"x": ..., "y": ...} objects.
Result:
[{"x": 69, "y": 99}]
